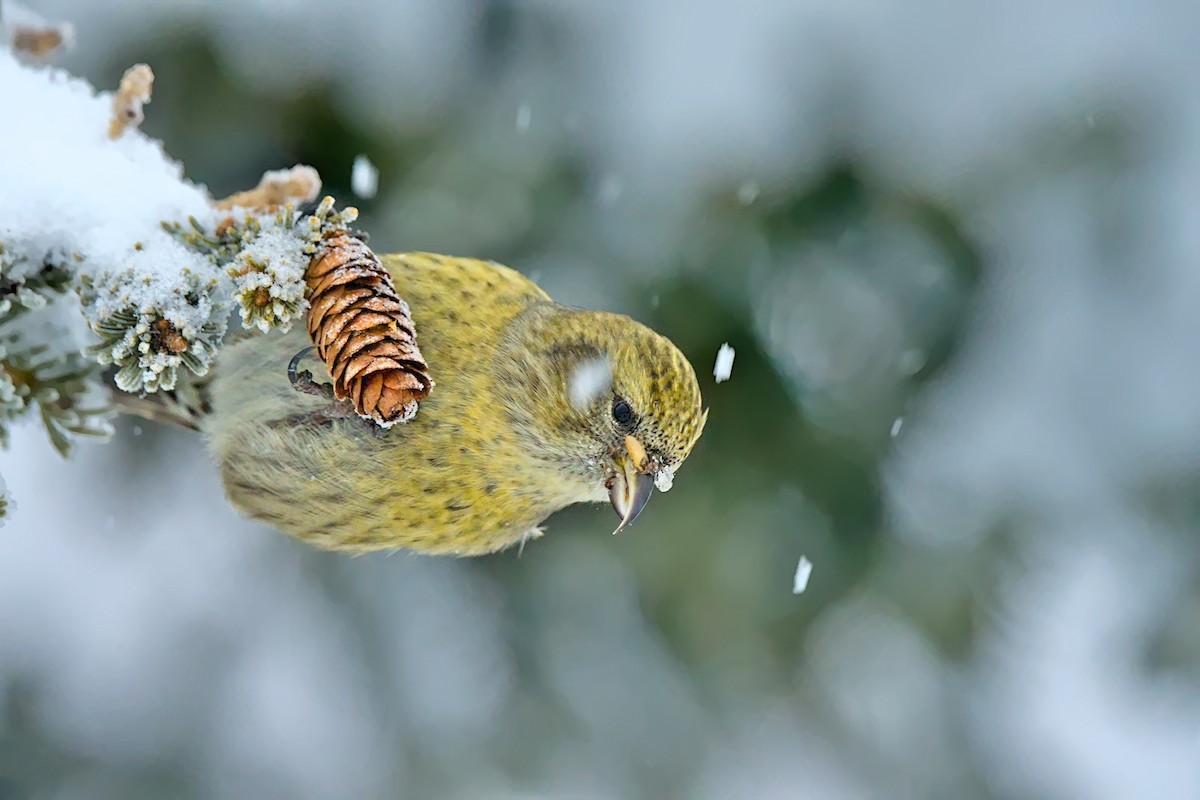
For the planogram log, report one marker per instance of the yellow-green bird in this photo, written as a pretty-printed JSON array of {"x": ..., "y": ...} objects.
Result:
[{"x": 537, "y": 406}]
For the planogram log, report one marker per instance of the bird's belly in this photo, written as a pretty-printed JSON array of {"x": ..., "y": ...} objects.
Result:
[{"x": 320, "y": 508}]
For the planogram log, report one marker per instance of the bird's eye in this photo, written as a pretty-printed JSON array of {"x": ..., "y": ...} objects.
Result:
[{"x": 623, "y": 413}]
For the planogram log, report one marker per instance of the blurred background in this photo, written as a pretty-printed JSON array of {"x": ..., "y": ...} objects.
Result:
[{"x": 955, "y": 246}]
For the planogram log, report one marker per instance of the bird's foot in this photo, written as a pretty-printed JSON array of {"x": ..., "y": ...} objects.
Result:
[
  {"x": 338, "y": 408},
  {"x": 303, "y": 381}
]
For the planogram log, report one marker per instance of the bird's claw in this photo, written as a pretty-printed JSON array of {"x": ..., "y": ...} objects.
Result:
[
  {"x": 303, "y": 381},
  {"x": 338, "y": 408}
]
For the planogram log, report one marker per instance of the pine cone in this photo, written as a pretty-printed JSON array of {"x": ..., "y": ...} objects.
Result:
[{"x": 364, "y": 332}]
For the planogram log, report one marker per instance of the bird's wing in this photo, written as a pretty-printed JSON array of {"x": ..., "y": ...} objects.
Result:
[
  {"x": 429, "y": 277},
  {"x": 461, "y": 307}
]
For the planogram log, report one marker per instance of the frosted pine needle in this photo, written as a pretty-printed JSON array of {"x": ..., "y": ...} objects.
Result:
[
  {"x": 150, "y": 326},
  {"x": 724, "y": 365},
  {"x": 58, "y": 385},
  {"x": 268, "y": 276}
]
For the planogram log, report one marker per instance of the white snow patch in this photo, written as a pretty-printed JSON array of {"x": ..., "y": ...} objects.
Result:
[
  {"x": 590, "y": 379},
  {"x": 664, "y": 479},
  {"x": 724, "y": 365},
  {"x": 64, "y": 184},
  {"x": 67, "y": 189},
  {"x": 364, "y": 178},
  {"x": 896, "y": 426}
]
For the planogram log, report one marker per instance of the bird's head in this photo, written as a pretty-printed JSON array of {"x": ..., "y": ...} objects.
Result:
[{"x": 611, "y": 406}]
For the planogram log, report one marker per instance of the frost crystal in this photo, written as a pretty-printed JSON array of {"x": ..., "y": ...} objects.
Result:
[
  {"x": 803, "y": 571},
  {"x": 590, "y": 379},
  {"x": 364, "y": 178},
  {"x": 664, "y": 479},
  {"x": 724, "y": 365}
]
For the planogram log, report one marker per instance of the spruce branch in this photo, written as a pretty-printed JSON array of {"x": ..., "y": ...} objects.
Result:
[
  {"x": 33, "y": 377},
  {"x": 266, "y": 254},
  {"x": 96, "y": 220},
  {"x": 23, "y": 290},
  {"x": 60, "y": 387},
  {"x": 150, "y": 327}
]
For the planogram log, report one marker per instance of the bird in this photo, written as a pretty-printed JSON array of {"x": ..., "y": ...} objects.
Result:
[{"x": 537, "y": 406}]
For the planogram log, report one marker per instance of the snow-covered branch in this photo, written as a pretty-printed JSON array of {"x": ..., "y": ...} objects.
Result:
[{"x": 110, "y": 256}]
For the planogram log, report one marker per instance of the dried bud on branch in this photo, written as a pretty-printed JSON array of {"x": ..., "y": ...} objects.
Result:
[
  {"x": 298, "y": 185},
  {"x": 41, "y": 43},
  {"x": 132, "y": 94},
  {"x": 364, "y": 332},
  {"x": 31, "y": 37}
]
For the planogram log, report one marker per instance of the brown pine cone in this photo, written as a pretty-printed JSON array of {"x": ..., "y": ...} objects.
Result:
[{"x": 364, "y": 332}]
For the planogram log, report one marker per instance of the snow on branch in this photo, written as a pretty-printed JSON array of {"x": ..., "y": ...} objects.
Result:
[{"x": 111, "y": 258}]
